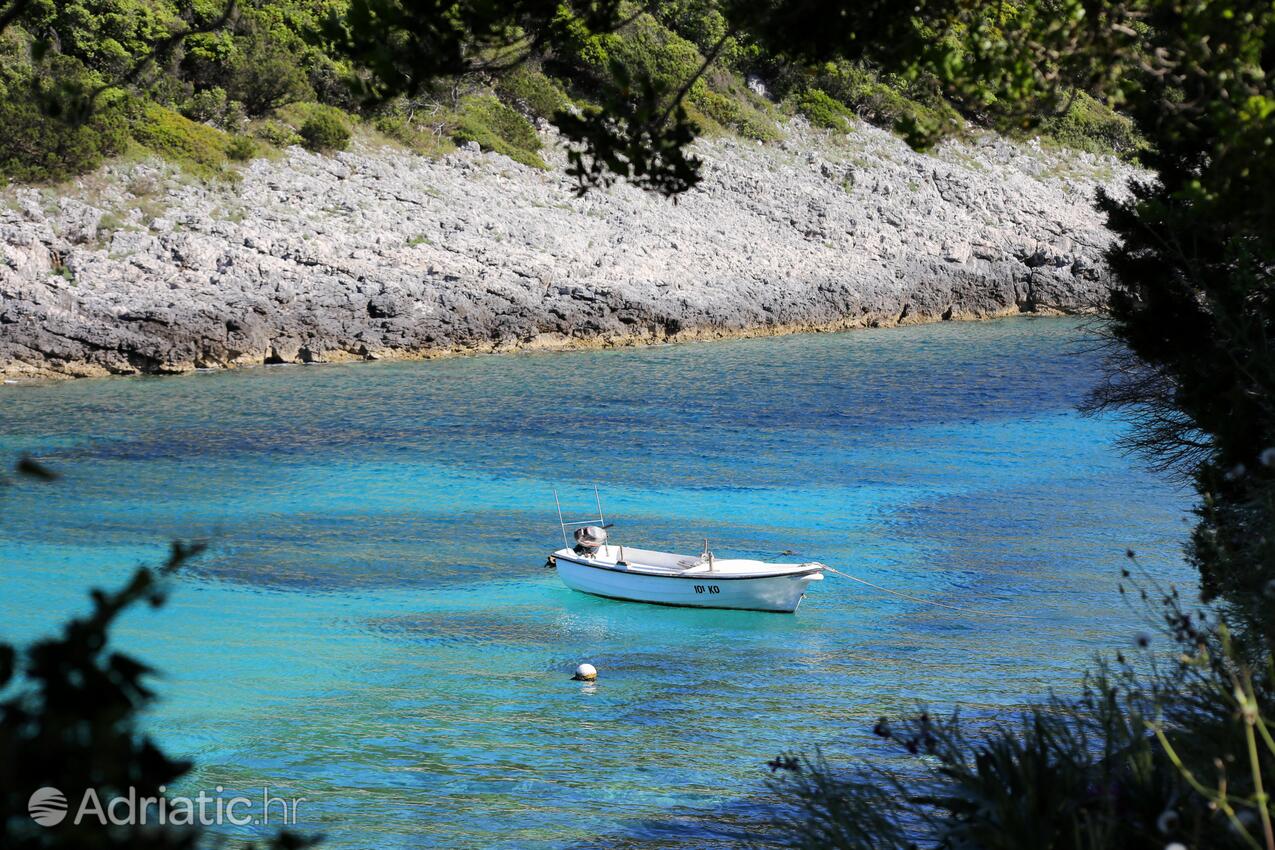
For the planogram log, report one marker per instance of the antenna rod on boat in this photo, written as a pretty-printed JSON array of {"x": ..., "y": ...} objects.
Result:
[
  {"x": 601, "y": 520},
  {"x": 561, "y": 524}
]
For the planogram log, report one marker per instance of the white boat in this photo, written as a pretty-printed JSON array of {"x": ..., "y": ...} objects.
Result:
[{"x": 594, "y": 566}]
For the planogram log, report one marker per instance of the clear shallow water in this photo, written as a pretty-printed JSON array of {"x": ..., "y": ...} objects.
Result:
[{"x": 373, "y": 629}]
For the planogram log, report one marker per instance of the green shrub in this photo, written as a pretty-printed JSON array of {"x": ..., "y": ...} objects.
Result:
[
  {"x": 264, "y": 74},
  {"x": 702, "y": 123},
  {"x": 823, "y": 111},
  {"x": 701, "y": 22},
  {"x": 325, "y": 132},
  {"x": 737, "y": 114},
  {"x": 172, "y": 135},
  {"x": 275, "y": 132},
  {"x": 317, "y": 126},
  {"x": 296, "y": 114},
  {"x": 754, "y": 125},
  {"x": 212, "y": 106},
  {"x": 36, "y": 146},
  {"x": 582, "y": 47},
  {"x": 209, "y": 49},
  {"x": 241, "y": 149},
  {"x": 494, "y": 126},
  {"x": 647, "y": 48},
  {"x": 883, "y": 101},
  {"x": 419, "y": 136},
  {"x": 40, "y": 141},
  {"x": 1092, "y": 126},
  {"x": 330, "y": 84},
  {"x": 864, "y": 92},
  {"x": 532, "y": 92},
  {"x": 107, "y": 36}
]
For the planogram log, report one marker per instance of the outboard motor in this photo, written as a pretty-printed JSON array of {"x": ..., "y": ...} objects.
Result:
[{"x": 589, "y": 539}]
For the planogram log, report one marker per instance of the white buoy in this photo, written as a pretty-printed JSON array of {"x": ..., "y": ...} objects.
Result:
[{"x": 585, "y": 673}]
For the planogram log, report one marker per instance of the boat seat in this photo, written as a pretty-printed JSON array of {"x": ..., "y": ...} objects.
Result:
[{"x": 690, "y": 563}]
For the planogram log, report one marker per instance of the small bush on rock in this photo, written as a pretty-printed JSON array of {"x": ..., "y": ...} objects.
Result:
[
  {"x": 738, "y": 115},
  {"x": 647, "y": 48},
  {"x": 325, "y": 130},
  {"x": 241, "y": 149},
  {"x": 494, "y": 126},
  {"x": 1089, "y": 125},
  {"x": 424, "y": 137},
  {"x": 883, "y": 101},
  {"x": 823, "y": 111},
  {"x": 532, "y": 92},
  {"x": 198, "y": 147},
  {"x": 277, "y": 133}
]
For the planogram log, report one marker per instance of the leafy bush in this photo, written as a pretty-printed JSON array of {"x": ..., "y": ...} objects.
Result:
[
  {"x": 532, "y": 92},
  {"x": 754, "y": 125},
  {"x": 172, "y": 135},
  {"x": 494, "y": 126},
  {"x": 703, "y": 123},
  {"x": 212, "y": 106},
  {"x": 647, "y": 48},
  {"x": 38, "y": 147},
  {"x": 108, "y": 36},
  {"x": 205, "y": 106},
  {"x": 329, "y": 128},
  {"x": 276, "y": 132},
  {"x": 884, "y": 102},
  {"x": 419, "y": 135},
  {"x": 736, "y": 113},
  {"x": 40, "y": 140},
  {"x": 664, "y": 48},
  {"x": 264, "y": 74},
  {"x": 324, "y": 131},
  {"x": 580, "y": 46},
  {"x": 823, "y": 111},
  {"x": 241, "y": 149},
  {"x": 206, "y": 51},
  {"x": 699, "y": 21},
  {"x": 1092, "y": 126}
]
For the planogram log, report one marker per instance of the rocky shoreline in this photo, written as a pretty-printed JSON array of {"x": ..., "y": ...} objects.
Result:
[{"x": 378, "y": 253}]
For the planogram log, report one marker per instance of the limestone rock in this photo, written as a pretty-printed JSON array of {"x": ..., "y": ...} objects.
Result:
[{"x": 378, "y": 253}]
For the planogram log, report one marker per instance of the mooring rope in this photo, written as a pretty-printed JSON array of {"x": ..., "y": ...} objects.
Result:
[{"x": 923, "y": 601}]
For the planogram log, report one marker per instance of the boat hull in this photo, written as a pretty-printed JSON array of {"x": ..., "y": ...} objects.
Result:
[{"x": 774, "y": 593}]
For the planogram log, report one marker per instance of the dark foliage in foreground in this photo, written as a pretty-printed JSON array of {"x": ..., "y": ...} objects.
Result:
[
  {"x": 69, "y": 707},
  {"x": 1155, "y": 750},
  {"x": 1195, "y": 303}
]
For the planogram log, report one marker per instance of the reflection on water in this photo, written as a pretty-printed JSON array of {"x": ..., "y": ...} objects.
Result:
[{"x": 374, "y": 629}]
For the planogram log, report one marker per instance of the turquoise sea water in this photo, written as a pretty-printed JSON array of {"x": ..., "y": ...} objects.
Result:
[{"x": 373, "y": 628}]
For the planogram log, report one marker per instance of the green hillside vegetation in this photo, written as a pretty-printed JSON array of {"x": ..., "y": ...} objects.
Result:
[{"x": 263, "y": 79}]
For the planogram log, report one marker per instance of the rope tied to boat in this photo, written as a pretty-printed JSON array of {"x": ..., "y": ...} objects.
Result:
[{"x": 924, "y": 601}]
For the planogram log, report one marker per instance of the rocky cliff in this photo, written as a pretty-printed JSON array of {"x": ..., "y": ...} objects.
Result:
[{"x": 379, "y": 253}]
